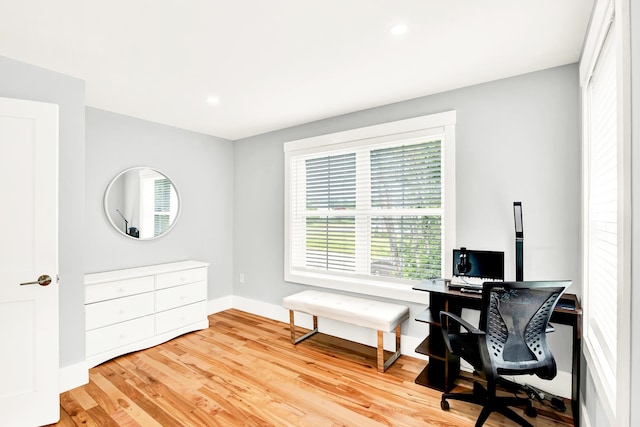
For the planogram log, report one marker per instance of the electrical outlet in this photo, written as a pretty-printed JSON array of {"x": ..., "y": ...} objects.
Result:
[{"x": 242, "y": 278}]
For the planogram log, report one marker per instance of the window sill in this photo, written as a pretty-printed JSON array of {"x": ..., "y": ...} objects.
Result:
[{"x": 365, "y": 287}]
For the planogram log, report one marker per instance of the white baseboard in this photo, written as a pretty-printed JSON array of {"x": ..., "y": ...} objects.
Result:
[
  {"x": 219, "y": 304},
  {"x": 72, "y": 376}
]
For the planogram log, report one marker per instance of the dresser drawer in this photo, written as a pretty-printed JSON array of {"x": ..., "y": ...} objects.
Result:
[
  {"x": 135, "y": 308},
  {"x": 181, "y": 316},
  {"x": 180, "y": 295},
  {"x": 105, "y": 313},
  {"x": 118, "y": 335},
  {"x": 117, "y": 289},
  {"x": 183, "y": 277}
]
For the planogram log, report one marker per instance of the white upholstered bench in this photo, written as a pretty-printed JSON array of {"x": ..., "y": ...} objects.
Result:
[{"x": 381, "y": 316}]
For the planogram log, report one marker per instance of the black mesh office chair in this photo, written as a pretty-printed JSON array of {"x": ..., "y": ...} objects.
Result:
[{"x": 511, "y": 340}]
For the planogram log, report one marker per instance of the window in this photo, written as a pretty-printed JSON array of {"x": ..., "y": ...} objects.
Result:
[
  {"x": 162, "y": 205},
  {"x": 158, "y": 203},
  {"x": 367, "y": 210},
  {"x": 606, "y": 200}
]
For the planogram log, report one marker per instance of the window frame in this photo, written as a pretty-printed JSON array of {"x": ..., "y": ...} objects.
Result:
[
  {"x": 609, "y": 16},
  {"x": 439, "y": 123}
]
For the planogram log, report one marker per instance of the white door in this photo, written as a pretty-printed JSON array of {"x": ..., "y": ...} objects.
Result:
[{"x": 28, "y": 250}]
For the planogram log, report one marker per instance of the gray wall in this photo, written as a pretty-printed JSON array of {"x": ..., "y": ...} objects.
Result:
[
  {"x": 23, "y": 81},
  {"x": 200, "y": 166},
  {"x": 516, "y": 139}
]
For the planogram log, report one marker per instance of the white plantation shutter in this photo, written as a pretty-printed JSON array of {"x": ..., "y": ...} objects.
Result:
[
  {"x": 371, "y": 209},
  {"x": 602, "y": 243},
  {"x": 606, "y": 226}
]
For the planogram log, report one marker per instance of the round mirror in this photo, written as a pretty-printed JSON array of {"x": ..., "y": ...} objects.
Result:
[{"x": 142, "y": 203}]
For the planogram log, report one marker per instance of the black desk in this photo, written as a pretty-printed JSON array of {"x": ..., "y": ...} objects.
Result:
[{"x": 443, "y": 367}]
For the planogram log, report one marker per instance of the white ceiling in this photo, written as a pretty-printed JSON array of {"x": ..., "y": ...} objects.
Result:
[{"x": 280, "y": 63}]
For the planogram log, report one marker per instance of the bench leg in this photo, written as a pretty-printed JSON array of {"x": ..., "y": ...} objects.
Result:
[
  {"x": 382, "y": 365},
  {"x": 292, "y": 328}
]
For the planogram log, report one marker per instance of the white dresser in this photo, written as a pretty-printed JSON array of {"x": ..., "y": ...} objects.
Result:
[{"x": 136, "y": 308}]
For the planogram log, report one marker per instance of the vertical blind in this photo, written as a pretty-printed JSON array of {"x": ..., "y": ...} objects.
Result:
[
  {"x": 602, "y": 214},
  {"x": 373, "y": 211}
]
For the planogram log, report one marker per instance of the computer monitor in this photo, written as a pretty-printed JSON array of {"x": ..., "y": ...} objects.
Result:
[{"x": 483, "y": 264}]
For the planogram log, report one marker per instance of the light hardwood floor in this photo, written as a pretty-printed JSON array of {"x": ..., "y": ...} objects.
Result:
[{"x": 244, "y": 371}]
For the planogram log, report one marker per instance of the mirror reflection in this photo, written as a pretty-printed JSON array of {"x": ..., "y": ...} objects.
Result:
[{"x": 142, "y": 203}]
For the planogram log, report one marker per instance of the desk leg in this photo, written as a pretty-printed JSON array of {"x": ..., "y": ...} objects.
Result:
[{"x": 575, "y": 370}]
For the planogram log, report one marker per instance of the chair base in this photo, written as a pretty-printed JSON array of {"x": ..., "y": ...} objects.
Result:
[{"x": 500, "y": 404}]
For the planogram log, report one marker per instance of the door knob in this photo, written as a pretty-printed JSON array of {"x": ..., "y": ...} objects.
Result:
[{"x": 43, "y": 280}]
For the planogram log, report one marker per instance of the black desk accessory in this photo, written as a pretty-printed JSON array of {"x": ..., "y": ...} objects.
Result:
[
  {"x": 517, "y": 216},
  {"x": 471, "y": 264}
]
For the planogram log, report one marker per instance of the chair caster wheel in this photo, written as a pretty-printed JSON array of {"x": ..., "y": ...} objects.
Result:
[
  {"x": 531, "y": 412},
  {"x": 444, "y": 405}
]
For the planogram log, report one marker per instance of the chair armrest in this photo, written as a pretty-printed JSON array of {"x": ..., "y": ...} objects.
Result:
[
  {"x": 444, "y": 322},
  {"x": 460, "y": 321}
]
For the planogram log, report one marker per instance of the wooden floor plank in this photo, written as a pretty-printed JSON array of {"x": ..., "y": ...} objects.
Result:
[{"x": 244, "y": 371}]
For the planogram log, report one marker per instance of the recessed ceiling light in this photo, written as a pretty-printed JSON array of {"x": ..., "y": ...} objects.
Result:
[
  {"x": 213, "y": 100},
  {"x": 398, "y": 29}
]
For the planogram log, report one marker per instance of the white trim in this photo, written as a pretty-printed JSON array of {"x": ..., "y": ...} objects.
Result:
[
  {"x": 219, "y": 304},
  {"x": 449, "y": 183},
  {"x": 623, "y": 408},
  {"x": 72, "y": 376},
  {"x": 584, "y": 416},
  {"x": 390, "y": 128},
  {"x": 442, "y": 124},
  {"x": 594, "y": 366},
  {"x": 358, "y": 285},
  {"x": 623, "y": 378},
  {"x": 601, "y": 19}
]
